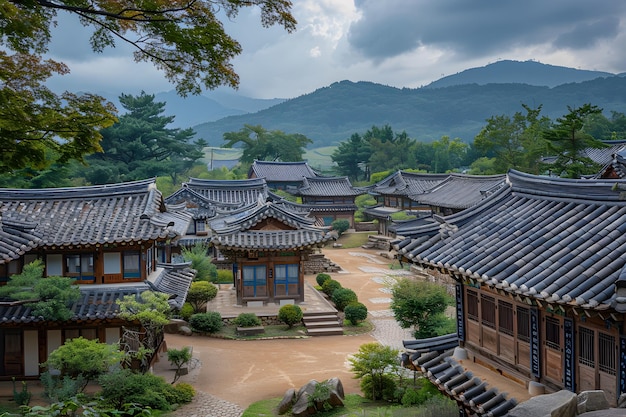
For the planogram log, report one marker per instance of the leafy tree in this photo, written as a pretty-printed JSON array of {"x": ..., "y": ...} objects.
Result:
[
  {"x": 50, "y": 297},
  {"x": 263, "y": 145},
  {"x": 199, "y": 294},
  {"x": 421, "y": 305},
  {"x": 567, "y": 138},
  {"x": 375, "y": 362},
  {"x": 141, "y": 146},
  {"x": 178, "y": 358},
  {"x": 515, "y": 142},
  {"x": 184, "y": 39},
  {"x": 390, "y": 151},
  {"x": 38, "y": 127},
  {"x": 200, "y": 261},
  {"x": 484, "y": 166},
  {"x": 352, "y": 157},
  {"x": 340, "y": 225},
  {"x": 448, "y": 154},
  {"x": 87, "y": 359}
]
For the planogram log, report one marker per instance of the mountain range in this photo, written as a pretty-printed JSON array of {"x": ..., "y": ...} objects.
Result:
[{"x": 456, "y": 106}]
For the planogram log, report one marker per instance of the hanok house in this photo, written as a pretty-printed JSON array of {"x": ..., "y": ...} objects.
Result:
[
  {"x": 267, "y": 245},
  {"x": 329, "y": 198},
  {"x": 540, "y": 280},
  {"x": 397, "y": 193},
  {"x": 108, "y": 239},
  {"x": 282, "y": 175}
]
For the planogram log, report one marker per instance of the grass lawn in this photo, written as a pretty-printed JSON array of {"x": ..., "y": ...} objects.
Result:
[
  {"x": 352, "y": 240},
  {"x": 358, "y": 406}
]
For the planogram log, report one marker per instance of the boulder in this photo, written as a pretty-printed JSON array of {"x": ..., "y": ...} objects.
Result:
[
  {"x": 287, "y": 402},
  {"x": 560, "y": 404},
  {"x": 301, "y": 406},
  {"x": 336, "y": 392},
  {"x": 174, "y": 325},
  {"x": 185, "y": 330},
  {"x": 593, "y": 400}
]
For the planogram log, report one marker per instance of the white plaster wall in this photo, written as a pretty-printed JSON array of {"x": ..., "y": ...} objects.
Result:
[
  {"x": 112, "y": 335},
  {"x": 31, "y": 353}
]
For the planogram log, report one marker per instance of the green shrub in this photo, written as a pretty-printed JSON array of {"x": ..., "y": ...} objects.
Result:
[
  {"x": 124, "y": 386},
  {"x": 329, "y": 286},
  {"x": 181, "y": 393},
  {"x": 340, "y": 225},
  {"x": 199, "y": 294},
  {"x": 224, "y": 276},
  {"x": 290, "y": 314},
  {"x": 201, "y": 262},
  {"x": 355, "y": 312},
  {"x": 247, "y": 320},
  {"x": 382, "y": 388},
  {"x": 186, "y": 311},
  {"x": 342, "y": 297},
  {"x": 321, "y": 279},
  {"x": 56, "y": 388},
  {"x": 209, "y": 322}
]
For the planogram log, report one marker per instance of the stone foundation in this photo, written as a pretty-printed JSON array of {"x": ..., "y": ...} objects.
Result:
[{"x": 318, "y": 263}]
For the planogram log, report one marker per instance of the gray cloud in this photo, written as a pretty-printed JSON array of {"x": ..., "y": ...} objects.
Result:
[{"x": 475, "y": 28}]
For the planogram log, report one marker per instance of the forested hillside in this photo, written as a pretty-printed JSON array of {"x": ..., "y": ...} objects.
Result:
[{"x": 331, "y": 114}]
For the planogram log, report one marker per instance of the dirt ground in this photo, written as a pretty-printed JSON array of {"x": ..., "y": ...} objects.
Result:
[{"x": 244, "y": 372}]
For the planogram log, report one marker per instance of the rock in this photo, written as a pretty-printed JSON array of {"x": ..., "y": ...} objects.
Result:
[
  {"x": 336, "y": 392},
  {"x": 560, "y": 404},
  {"x": 592, "y": 401},
  {"x": 287, "y": 402},
  {"x": 174, "y": 325},
  {"x": 185, "y": 330},
  {"x": 301, "y": 406},
  {"x": 621, "y": 402}
]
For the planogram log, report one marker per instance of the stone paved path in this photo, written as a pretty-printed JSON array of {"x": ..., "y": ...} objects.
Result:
[{"x": 364, "y": 272}]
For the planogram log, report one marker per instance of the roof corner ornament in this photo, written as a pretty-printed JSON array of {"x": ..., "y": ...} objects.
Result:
[{"x": 261, "y": 199}]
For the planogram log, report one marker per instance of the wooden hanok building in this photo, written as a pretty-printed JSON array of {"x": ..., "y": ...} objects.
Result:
[
  {"x": 540, "y": 280},
  {"x": 279, "y": 175},
  {"x": 267, "y": 244},
  {"x": 329, "y": 198},
  {"x": 107, "y": 239}
]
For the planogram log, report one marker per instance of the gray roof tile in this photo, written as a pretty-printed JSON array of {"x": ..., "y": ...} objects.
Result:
[{"x": 274, "y": 171}]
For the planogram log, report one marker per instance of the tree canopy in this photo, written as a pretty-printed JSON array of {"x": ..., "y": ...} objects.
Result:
[
  {"x": 141, "y": 146},
  {"x": 184, "y": 39},
  {"x": 261, "y": 144}
]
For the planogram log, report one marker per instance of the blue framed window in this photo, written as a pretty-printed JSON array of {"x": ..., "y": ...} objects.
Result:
[
  {"x": 79, "y": 266},
  {"x": 132, "y": 264},
  {"x": 286, "y": 280},
  {"x": 254, "y": 281}
]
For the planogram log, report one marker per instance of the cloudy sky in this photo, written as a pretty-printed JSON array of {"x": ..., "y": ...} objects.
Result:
[{"x": 401, "y": 43}]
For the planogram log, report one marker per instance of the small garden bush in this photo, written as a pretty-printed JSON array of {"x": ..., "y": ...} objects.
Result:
[
  {"x": 247, "y": 320},
  {"x": 342, "y": 297},
  {"x": 418, "y": 396},
  {"x": 340, "y": 225},
  {"x": 329, "y": 286},
  {"x": 290, "y": 314},
  {"x": 355, "y": 312},
  {"x": 148, "y": 390},
  {"x": 224, "y": 276},
  {"x": 381, "y": 388},
  {"x": 181, "y": 393},
  {"x": 321, "y": 279},
  {"x": 209, "y": 322},
  {"x": 186, "y": 311},
  {"x": 199, "y": 294}
]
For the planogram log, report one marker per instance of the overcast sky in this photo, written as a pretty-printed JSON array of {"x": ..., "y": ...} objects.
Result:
[{"x": 401, "y": 43}]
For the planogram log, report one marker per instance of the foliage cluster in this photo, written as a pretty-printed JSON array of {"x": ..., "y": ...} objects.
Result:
[
  {"x": 260, "y": 144},
  {"x": 49, "y": 297},
  {"x": 422, "y": 305},
  {"x": 343, "y": 297},
  {"x": 340, "y": 226},
  {"x": 290, "y": 314},
  {"x": 321, "y": 278},
  {"x": 179, "y": 358},
  {"x": 329, "y": 286},
  {"x": 355, "y": 312},
  {"x": 209, "y": 322},
  {"x": 224, "y": 276},
  {"x": 200, "y": 261},
  {"x": 199, "y": 294},
  {"x": 247, "y": 320}
]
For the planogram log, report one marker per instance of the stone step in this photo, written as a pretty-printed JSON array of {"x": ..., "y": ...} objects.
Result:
[
  {"x": 327, "y": 317},
  {"x": 325, "y": 331},
  {"x": 318, "y": 324}
]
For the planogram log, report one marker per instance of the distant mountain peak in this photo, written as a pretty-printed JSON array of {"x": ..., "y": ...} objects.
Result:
[{"x": 519, "y": 72}]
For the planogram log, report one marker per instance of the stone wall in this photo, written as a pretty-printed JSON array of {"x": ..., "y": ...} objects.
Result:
[{"x": 318, "y": 263}]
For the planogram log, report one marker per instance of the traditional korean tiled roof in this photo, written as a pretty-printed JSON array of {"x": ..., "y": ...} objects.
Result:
[
  {"x": 274, "y": 171},
  {"x": 235, "y": 231},
  {"x": 460, "y": 191},
  {"x": 100, "y": 302},
  {"x": 229, "y": 194},
  {"x": 616, "y": 169},
  {"x": 604, "y": 155},
  {"x": 327, "y": 187},
  {"x": 17, "y": 238},
  {"x": 403, "y": 183},
  {"x": 81, "y": 216},
  {"x": 474, "y": 394},
  {"x": 554, "y": 240}
]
